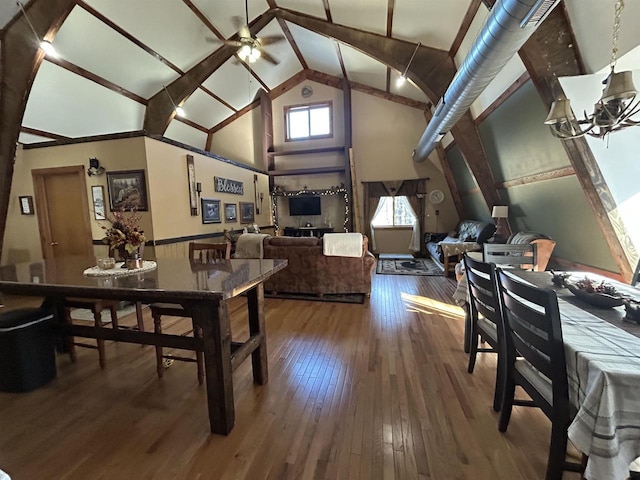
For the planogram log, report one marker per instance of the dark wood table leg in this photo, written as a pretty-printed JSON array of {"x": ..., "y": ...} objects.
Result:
[
  {"x": 213, "y": 318},
  {"x": 255, "y": 301}
]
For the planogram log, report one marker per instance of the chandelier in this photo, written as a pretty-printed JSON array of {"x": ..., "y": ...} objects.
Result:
[{"x": 611, "y": 113}]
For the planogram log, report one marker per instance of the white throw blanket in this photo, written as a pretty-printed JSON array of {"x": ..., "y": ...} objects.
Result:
[
  {"x": 250, "y": 245},
  {"x": 342, "y": 244}
]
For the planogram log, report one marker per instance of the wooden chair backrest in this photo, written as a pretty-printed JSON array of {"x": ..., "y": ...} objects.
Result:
[
  {"x": 481, "y": 279},
  {"x": 636, "y": 276},
  {"x": 209, "y": 252},
  {"x": 532, "y": 328},
  {"x": 523, "y": 256}
]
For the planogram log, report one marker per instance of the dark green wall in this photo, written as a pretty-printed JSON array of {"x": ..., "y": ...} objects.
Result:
[
  {"x": 518, "y": 144},
  {"x": 474, "y": 204}
]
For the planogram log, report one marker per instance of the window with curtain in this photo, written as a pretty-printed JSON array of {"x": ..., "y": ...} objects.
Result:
[{"x": 394, "y": 212}]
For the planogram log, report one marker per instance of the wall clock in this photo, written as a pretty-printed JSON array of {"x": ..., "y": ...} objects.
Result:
[
  {"x": 436, "y": 196},
  {"x": 306, "y": 91}
]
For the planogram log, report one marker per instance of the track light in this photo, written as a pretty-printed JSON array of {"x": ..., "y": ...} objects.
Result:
[
  {"x": 403, "y": 78},
  {"x": 179, "y": 110},
  {"x": 45, "y": 45}
]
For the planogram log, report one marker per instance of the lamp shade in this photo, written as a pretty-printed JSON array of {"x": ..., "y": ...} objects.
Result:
[{"x": 500, "y": 211}]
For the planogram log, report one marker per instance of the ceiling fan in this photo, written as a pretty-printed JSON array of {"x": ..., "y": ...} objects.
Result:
[{"x": 251, "y": 48}]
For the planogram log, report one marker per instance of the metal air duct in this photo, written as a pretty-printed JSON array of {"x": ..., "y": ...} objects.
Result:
[{"x": 508, "y": 27}]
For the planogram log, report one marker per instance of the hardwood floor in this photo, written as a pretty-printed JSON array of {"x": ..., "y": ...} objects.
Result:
[{"x": 374, "y": 391}]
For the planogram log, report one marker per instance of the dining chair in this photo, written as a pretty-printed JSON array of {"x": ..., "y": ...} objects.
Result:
[
  {"x": 485, "y": 322},
  {"x": 96, "y": 306},
  {"x": 534, "y": 360},
  {"x": 200, "y": 253},
  {"x": 523, "y": 256}
]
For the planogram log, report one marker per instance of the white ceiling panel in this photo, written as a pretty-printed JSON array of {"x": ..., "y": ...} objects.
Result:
[
  {"x": 183, "y": 133},
  {"x": 221, "y": 12},
  {"x": 8, "y": 10},
  {"x": 318, "y": 51},
  {"x": 310, "y": 7},
  {"x": 67, "y": 104},
  {"x": 167, "y": 26},
  {"x": 205, "y": 110},
  {"x": 592, "y": 22},
  {"x": 288, "y": 66},
  {"x": 407, "y": 89},
  {"x": 26, "y": 138},
  {"x": 369, "y": 15},
  {"x": 433, "y": 22},
  {"x": 472, "y": 33},
  {"x": 233, "y": 83},
  {"x": 509, "y": 74},
  {"x": 362, "y": 68},
  {"x": 108, "y": 54}
]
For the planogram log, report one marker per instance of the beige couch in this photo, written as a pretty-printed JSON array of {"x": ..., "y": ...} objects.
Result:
[{"x": 310, "y": 271}]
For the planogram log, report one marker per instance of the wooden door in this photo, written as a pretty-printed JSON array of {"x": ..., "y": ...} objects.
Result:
[{"x": 63, "y": 211}]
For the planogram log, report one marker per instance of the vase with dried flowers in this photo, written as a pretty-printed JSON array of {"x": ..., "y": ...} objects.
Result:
[{"x": 125, "y": 236}]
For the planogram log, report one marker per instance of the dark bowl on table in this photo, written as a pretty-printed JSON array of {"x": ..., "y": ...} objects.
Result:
[
  {"x": 600, "y": 300},
  {"x": 632, "y": 308}
]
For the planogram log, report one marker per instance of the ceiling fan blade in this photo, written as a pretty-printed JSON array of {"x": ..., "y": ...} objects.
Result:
[
  {"x": 268, "y": 57},
  {"x": 271, "y": 39},
  {"x": 231, "y": 43}
]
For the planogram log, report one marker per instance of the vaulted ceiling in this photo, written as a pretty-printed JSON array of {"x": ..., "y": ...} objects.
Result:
[{"x": 115, "y": 56}]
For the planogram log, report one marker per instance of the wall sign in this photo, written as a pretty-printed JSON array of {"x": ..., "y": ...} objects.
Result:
[{"x": 225, "y": 185}]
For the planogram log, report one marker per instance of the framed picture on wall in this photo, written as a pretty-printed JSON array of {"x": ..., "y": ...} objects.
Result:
[
  {"x": 210, "y": 210},
  {"x": 127, "y": 190},
  {"x": 230, "y": 212},
  {"x": 246, "y": 212},
  {"x": 97, "y": 193}
]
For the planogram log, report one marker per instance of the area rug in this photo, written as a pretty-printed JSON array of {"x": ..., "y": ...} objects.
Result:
[
  {"x": 334, "y": 297},
  {"x": 404, "y": 266}
]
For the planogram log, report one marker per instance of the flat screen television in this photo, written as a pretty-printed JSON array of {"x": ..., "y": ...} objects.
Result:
[{"x": 304, "y": 206}]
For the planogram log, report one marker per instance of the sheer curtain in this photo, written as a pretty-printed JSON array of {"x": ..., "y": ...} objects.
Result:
[
  {"x": 373, "y": 236},
  {"x": 373, "y": 192},
  {"x": 414, "y": 190}
]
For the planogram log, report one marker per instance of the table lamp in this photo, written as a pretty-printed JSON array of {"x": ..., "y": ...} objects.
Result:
[{"x": 499, "y": 212}]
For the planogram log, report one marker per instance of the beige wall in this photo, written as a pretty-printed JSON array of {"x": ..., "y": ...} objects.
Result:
[
  {"x": 167, "y": 190},
  {"x": 241, "y": 140},
  {"x": 384, "y": 135},
  {"x": 22, "y": 238},
  {"x": 169, "y": 195}
]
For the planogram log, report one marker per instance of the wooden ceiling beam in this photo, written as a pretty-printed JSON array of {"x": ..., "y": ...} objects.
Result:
[
  {"x": 160, "y": 110},
  {"x": 42, "y": 133},
  {"x": 289, "y": 37},
  {"x": 21, "y": 58},
  {"x": 464, "y": 27},
  {"x": 341, "y": 61},
  {"x": 549, "y": 54},
  {"x": 431, "y": 69}
]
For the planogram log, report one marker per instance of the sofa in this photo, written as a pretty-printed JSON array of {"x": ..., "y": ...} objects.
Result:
[
  {"x": 310, "y": 271},
  {"x": 446, "y": 249}
]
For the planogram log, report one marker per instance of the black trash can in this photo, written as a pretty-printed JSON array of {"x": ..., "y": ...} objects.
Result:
[{"x": 27, "y": 349}]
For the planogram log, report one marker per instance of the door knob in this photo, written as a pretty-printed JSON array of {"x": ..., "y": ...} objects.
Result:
[{"x": 53, "y": 244}]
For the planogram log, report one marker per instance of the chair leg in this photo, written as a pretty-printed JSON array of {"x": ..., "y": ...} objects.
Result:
[
  {"x": 557, "y": 451},
  {"x": 97, "y": 315},
  {"x": 507, "y": 403},
  {"x": 197, "y": 333},
  {"x": 498, "y": 392},
  {"x": 157, "y": 328},
  {"x": 473, "y": 347},
  {"x": 69, "y": 339},
  {"x": 114, "y": 317}
]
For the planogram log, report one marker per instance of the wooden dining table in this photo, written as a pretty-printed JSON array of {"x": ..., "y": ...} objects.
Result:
[
  {"x": 602, "y": 351},
  {"x": 201, "y": 289}
]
